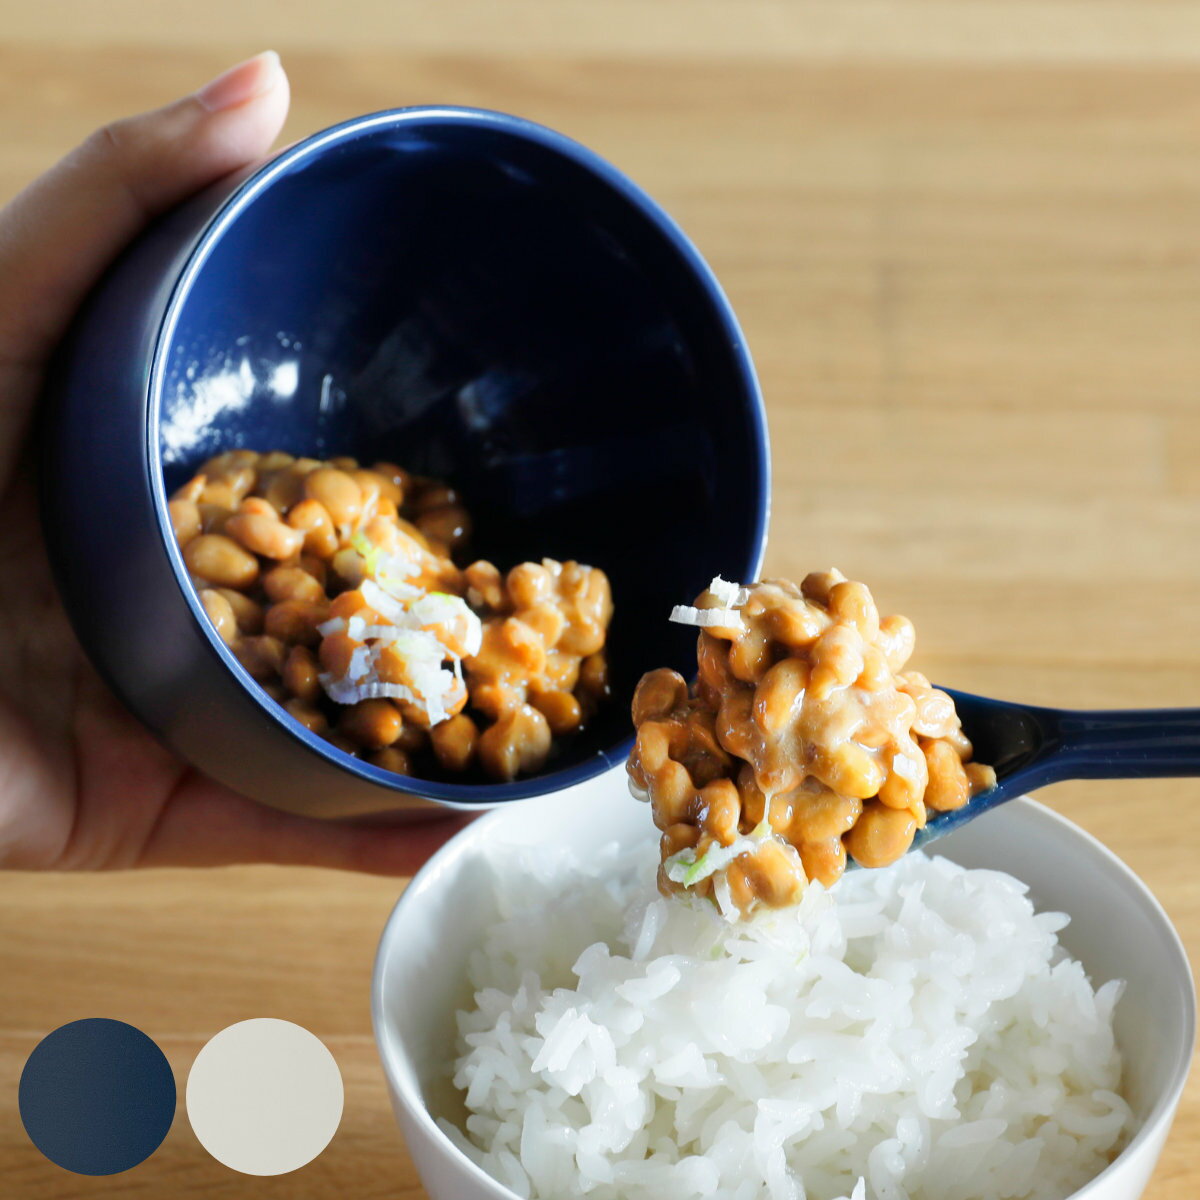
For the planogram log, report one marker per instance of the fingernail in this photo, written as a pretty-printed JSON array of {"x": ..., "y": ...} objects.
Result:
[{"x": 251, "y": 78}]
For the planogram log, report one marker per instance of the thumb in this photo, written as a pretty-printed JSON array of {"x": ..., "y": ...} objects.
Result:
[{"x": 58, "y": 235}]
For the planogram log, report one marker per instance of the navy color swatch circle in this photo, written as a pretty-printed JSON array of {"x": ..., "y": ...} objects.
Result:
[{"x": 97, "y": 1096}]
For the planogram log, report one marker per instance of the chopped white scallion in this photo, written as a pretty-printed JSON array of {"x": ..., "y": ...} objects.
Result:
[
  {"x": 360, "y": 664},
  {"x": 723, "y": 894},
  {"x": 725, "y": 592},
  {"x": 394, "y": 582},
  {"x": 411, "y": 628},
  {"x": 383, "y": 634},
  {"x": 706, "y": 618},
  {"x": 419, "y": 646},
  {"x": 356, "y": 627},
  {"x": 385, "y": 605},
  {"x": 451, "y": 612},
  {"x": 343, "y": 692},
  {"x": 686, "y": 869}
]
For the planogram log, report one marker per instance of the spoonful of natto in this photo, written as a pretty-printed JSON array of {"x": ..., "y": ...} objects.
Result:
[{"x": 807, "y": 744}]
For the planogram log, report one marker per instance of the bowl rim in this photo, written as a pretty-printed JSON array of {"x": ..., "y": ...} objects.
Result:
[
  {"x": 1134, "y": 888},
  {"x": 460, "y": 796}
]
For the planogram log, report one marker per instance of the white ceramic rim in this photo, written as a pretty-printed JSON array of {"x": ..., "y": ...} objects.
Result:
[{"x": 1125, "y": 878}]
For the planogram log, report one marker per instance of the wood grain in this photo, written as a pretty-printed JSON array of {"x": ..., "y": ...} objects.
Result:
[{"x": 962, "y": 241}]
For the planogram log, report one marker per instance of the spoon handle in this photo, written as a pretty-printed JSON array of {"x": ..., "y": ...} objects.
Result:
[{"x": 1125, "y": 744}]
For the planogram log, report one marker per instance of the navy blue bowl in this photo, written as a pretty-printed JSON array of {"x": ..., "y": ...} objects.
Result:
[{"x": 465, "y": 293}]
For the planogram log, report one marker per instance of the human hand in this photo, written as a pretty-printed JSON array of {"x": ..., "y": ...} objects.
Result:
[{"x": 82, "y": 784}]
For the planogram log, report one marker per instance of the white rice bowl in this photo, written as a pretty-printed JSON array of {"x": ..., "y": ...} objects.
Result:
[{"x": 915, "y": 1033}]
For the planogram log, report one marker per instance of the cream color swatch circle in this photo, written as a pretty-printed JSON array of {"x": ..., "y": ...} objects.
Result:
[{"x": 264, "y": 1096}]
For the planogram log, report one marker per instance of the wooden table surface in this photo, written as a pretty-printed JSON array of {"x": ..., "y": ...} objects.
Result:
[{"x": 962, "y": 239}]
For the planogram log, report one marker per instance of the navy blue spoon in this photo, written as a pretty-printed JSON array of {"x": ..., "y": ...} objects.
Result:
[{"x": 1031, "y": 747}]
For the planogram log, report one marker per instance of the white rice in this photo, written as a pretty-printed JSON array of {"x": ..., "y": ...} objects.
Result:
[{"x": 916, "y": 1033}]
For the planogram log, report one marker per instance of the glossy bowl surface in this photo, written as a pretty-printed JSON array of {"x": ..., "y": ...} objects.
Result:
[
  {"x": 1117, "y": 930},
  {"x": 467, "y": 293}
]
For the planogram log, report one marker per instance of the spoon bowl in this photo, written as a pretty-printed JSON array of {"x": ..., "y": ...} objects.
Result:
[{"x": 1030, "y": 747}]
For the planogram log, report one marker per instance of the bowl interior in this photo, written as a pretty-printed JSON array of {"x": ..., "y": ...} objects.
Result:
[
  {"x": 1117, "y": 930},
  {"x": 483, "y": 301}
]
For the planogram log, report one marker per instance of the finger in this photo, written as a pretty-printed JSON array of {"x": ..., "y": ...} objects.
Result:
[
  {"x": 207, "y": 825},
  {"x": 59, "y": 234}
]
